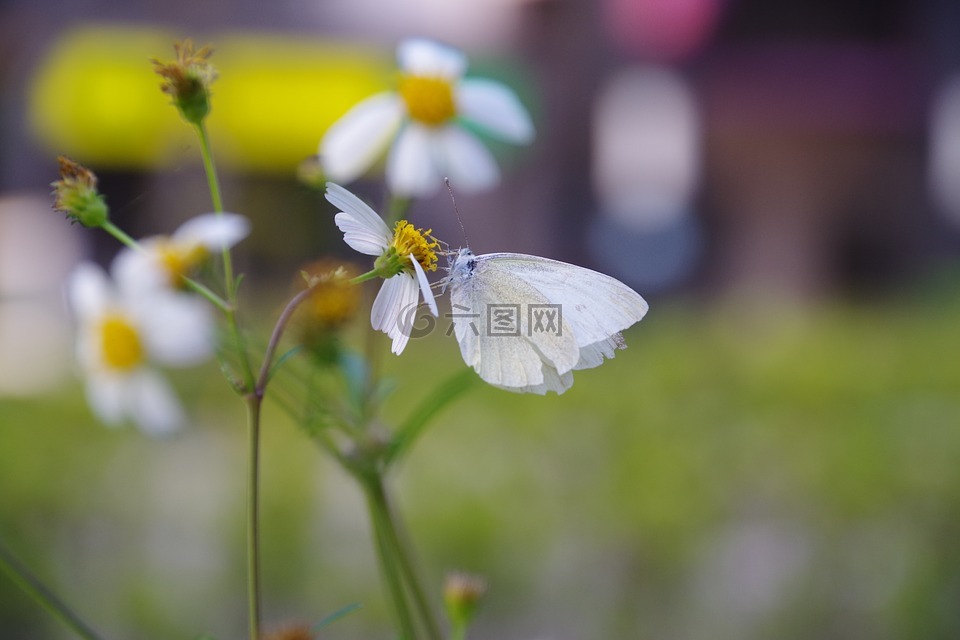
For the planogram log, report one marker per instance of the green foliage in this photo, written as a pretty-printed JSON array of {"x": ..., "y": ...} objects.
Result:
[{"x": 729, "y": 475}]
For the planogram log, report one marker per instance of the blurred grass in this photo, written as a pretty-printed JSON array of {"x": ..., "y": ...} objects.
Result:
[{"x": 732, "y": 474}]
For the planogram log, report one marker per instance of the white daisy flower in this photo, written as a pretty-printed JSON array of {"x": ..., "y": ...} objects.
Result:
[
  {"x": 120, "y": 333},
  {"x": 403, "y": 255},
  {"x": 423, "y": 120},
  {"x": 163, "y": 260}
]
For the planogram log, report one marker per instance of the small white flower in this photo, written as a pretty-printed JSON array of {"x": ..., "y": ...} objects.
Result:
[
  {"x": 121, "y": 332},
  {"x": 367, "y": 233},
  {"x": 162, "y": 260},
  {"x": 423, "y": 120}
]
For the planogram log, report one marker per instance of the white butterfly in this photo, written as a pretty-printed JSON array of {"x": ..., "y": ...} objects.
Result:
[{"x": 525, "y": 323}]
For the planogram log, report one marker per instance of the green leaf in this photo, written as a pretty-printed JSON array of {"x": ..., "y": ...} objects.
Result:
[
  {"x": 417, "y": 421},
  {"x": 336, "y": 615}
]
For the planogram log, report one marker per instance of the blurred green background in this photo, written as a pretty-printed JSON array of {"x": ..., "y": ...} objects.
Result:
[
  {"x": 774, "y": 455},
  {"x": 727, "y": 476}
]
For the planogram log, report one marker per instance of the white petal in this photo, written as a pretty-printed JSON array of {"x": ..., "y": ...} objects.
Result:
[
  {"x": 177, "y": 328},
  {"x": 140, "y": 272},
  {"x": 88, "y": 291},
  {"x": 362, "y": 228},
  {"x": 496, "y": 108},
  {"x": 469, "y": 165},
  {"x": 386, "y": 306},
  {"x": 358, "y": 236},
  {"x": 394, "y": 309},
  {"x": 357, "y": 139},
  {"x": 106, "y": 395},
  {"x": 411, "y": 165},
  {"x": 152, "y": 404},
  {"x": 422, "y": 57},
  {"x": 424, "y": 286},
  {"x": 214, "y": 231}
]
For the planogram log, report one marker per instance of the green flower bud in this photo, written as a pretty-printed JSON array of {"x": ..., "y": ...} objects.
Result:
[
  {"x": 75, "y": 195},
  {"x": 461, "y": 595},
  {"x": 187, "y": 80}
]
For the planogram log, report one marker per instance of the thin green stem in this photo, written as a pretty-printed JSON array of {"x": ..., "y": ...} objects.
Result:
[
  {"x": 403, "y": 558},
  {"x": 363, "y": 277},
  {"x": 254, "y": 405},
  {"x": 410, "y": 571},
  {"x": 278, "y": 330},
  {"x": 121, "y": 235},
  {"x": 230, "y": 283},
  {"x": 205, "y": 291},
  {"x": 213, "y": 183},
  {"x": 387, "y": 559},
  {"x": 42, "y": 595}
]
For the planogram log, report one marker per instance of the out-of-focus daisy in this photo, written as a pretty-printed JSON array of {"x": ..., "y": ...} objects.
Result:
[
  {"x": 403, "y": 257},
  {"x": 121, "y": 333},
  {"x": 424, "y": 120},
  {"x": 163, "y": 260}
]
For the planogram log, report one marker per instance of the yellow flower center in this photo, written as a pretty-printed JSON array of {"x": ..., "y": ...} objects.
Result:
[
  {"x": 429, "y": 99},
  {"x": 408, "y": 239},
  {"x": 179, "y": 260},
  {"x": 120, "y": 343}
]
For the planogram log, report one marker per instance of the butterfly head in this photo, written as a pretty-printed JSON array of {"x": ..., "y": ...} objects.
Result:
[{"x": 460, "y": 264}]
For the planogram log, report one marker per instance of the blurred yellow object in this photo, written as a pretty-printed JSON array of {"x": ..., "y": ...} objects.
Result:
[{"x": 97, "y": 98}]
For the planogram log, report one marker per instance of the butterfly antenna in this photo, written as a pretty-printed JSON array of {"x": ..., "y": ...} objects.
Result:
[{"x": 456, "y": 211}]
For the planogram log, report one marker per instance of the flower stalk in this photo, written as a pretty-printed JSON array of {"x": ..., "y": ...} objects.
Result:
[{"x": 33, "y": 587}]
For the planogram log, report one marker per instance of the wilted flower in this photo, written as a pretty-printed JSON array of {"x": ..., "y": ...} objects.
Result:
[
  {"x": 75, "y": 194},
  {"x": 422, "y": 122},
  {"x": 402, "y": 258},
  {"x": 333, "y": 300},
  {"x": 187, "y": 80},
  {"x": 462, "y": 593},
  {"x": 163, "y": 261},
  {"x": 121, "y": 332}
]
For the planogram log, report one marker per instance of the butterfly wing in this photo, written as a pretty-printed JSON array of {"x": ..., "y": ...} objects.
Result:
[
  {"x": 506, "y": 353},
  {"x": 595, "y": 305},
  {"x": 591, "y": 310}
]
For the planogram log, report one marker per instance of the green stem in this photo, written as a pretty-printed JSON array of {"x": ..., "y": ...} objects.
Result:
[
  {"x": 254, "y": 404},
  {"x": 369, "y": 275},
  {"x": 387, "y": 560},
  {"x": 278, "y": 329},
  {"x": 30, "y": 584},
  {"x": 228, "y": 278},
  {"x": 121, "y": 235},
  {"x": 204, "y": 291},
  {"x": 402, "y": 556},
  {"x": 214, "y": 184}
]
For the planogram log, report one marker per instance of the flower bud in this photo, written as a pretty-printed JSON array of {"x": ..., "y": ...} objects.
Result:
[
  {"x": 461, "y": 595},
  {"x": 187, "y": 80},
  {"x": 310, "y": 174},
  {"x": 75, "y": 194},
  {"x": 332, "y": 304}
]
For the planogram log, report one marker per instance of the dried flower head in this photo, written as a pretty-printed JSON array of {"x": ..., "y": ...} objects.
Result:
[
  {"x": 334, "y": 300},
  {"x": 462, "y": 593},
  {"x": 75, "y": 194},
  {"x": 187, "y": 80}
]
